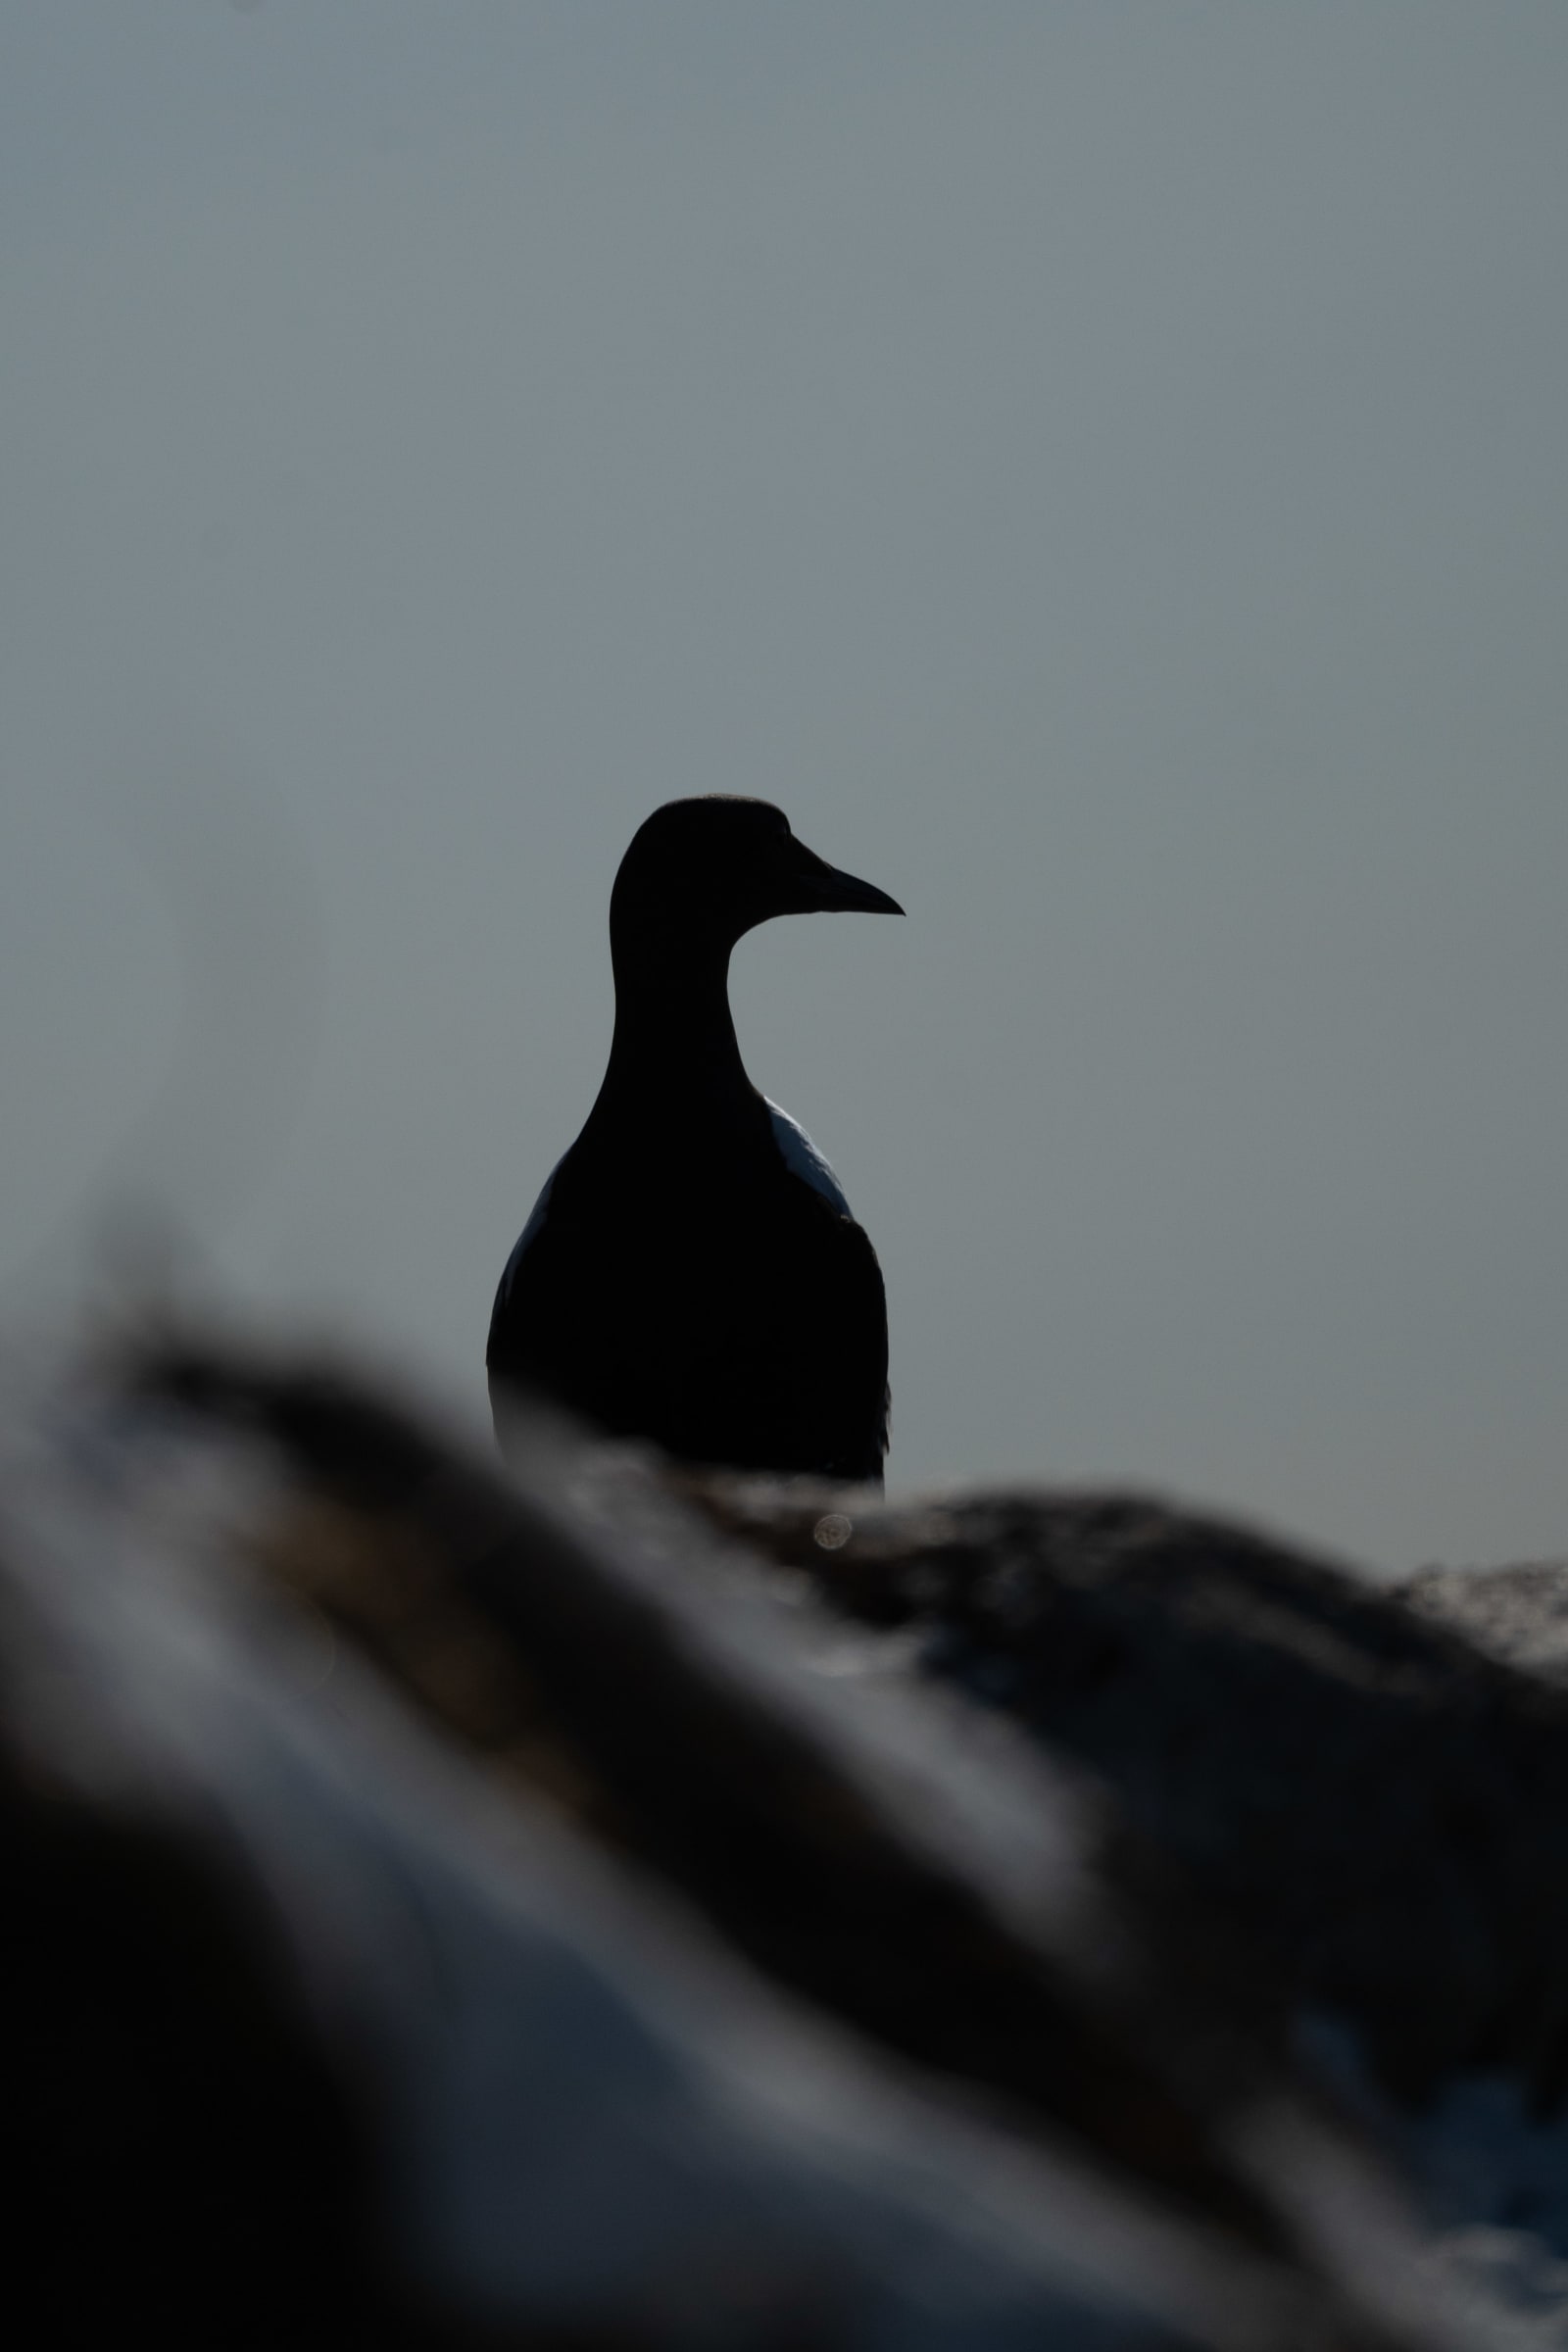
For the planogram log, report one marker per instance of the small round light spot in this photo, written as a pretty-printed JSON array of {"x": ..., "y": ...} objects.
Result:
[{"x": 832, "y": 1531}]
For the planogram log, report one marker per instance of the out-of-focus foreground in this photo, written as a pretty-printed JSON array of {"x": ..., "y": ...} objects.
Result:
[{"x": 568, "y": 1907}]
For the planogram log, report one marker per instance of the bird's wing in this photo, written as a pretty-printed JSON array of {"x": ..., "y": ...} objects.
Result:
[
  {"x": 850, "y": 1359},
  {"x": 804, "y": 1159},
  {"x": 529, "y": 1234}
]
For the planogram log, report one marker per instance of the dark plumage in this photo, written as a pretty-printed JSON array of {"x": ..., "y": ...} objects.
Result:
[{"x": 691, "y": 1272}]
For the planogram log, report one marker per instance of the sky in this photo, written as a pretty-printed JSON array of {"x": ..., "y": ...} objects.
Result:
[{"x": 1099, "y": 467}]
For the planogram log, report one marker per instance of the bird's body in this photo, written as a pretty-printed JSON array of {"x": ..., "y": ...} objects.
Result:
[{"x": 691, "y": 1273}]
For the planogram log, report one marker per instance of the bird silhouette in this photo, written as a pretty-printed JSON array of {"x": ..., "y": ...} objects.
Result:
[{"x": 691, "y": 1272}]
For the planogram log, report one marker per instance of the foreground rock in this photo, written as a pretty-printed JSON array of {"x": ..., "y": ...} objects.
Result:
[
  {"x": 1369, "y": 1788},
  {"x": 499, "y": 1910},
  {"x": 1380, "y": 1805}
]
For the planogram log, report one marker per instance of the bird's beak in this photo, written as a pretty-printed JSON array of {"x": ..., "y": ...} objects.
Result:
[{"x": 826, "y": 890}]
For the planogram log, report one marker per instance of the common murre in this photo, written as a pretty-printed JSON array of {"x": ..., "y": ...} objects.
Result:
[{"x": 691, "y": 1272}]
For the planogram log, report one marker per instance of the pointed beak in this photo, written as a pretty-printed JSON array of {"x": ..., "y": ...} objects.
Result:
[{"x": 827, "y": 891}]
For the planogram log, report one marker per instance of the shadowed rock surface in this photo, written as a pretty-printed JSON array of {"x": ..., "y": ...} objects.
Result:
[
  {"x": 1379, "y": 1808},
  {"x": 586, "y": 1938}
]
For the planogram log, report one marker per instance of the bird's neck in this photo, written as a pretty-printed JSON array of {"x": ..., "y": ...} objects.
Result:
[{"x": 674, "y": 1053}]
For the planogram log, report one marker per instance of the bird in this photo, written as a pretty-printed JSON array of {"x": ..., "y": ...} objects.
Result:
[{"x": 691, "y": 1274}]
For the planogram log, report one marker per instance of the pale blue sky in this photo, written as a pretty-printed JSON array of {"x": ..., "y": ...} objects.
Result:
[{"x": 1099, "y": 467}]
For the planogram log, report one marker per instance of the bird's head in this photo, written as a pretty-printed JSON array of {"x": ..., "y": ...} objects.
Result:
[{"x": 709, "y": 870}]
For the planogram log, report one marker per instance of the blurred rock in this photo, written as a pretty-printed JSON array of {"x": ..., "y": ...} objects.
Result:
[
  {"x": 479, "y": 1908},
  {"x": 1378, "y": 1807},
  {"x": 1364, "y": 1789},
  {"x": 1519, "y": 1614}
]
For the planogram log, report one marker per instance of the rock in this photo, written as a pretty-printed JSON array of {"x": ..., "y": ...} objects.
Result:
[
  {"x": 1518, "y": 1614},
  {"x": 496, "y": 1909},
  {"x": 1376, "y": 1806}
]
